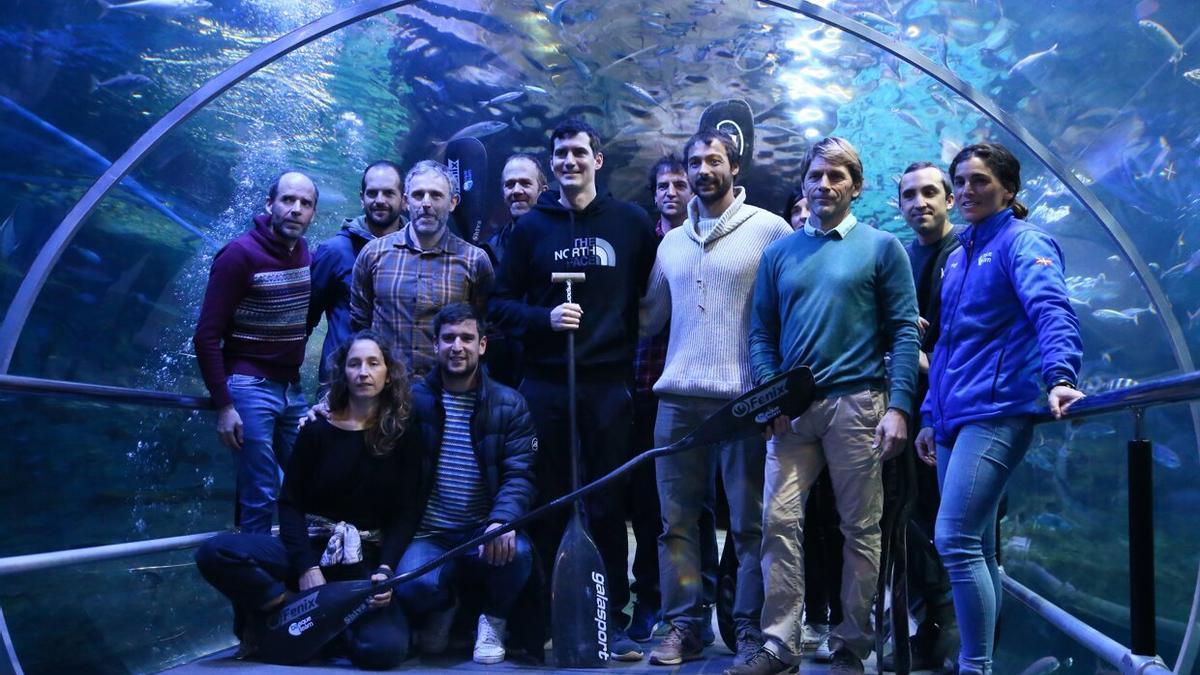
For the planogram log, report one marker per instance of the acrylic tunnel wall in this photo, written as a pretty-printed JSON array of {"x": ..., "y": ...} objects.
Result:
[{"x": 1109, "y": 88}]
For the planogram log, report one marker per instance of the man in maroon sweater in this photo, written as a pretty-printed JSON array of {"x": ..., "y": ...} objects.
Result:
[{"x": 250, "y": 343}]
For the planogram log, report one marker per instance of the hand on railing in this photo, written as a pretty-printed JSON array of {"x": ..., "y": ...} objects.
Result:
[{"x": 1061, "y": 397}]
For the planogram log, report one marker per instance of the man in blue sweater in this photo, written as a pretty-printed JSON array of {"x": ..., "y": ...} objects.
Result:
[
  {"x": 382, "y": 196},
  {"x": 835, "y": 296}
]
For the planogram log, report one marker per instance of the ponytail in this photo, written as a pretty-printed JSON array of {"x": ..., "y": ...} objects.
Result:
[{"x": 1020, "y": 211}]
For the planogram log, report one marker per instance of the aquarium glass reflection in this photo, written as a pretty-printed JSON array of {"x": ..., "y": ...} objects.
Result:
[{"x": 1110, "y": 87}]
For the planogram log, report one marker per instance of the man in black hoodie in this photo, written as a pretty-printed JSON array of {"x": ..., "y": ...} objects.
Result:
[{"x": 575, "y": 229}]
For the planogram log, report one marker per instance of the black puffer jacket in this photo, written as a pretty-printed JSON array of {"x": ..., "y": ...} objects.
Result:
[{"x": 502, "y": 434}]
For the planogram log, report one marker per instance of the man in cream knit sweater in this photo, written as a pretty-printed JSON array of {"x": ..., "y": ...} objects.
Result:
[{"x": 703, "y": 281}]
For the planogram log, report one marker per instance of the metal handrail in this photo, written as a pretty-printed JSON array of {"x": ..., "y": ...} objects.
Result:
[
  {"x": 1171, "y": 389},
  {"x": 43, "y": 561},
  {"x": 16, "y": 384}
]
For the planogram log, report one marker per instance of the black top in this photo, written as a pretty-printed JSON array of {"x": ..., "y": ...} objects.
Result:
[
  {"x": 613, "y": 243},
  {"x": 332, "y": 475}
]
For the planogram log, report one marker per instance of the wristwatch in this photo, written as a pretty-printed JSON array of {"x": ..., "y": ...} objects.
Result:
[{"x": 1062, "y": 383}]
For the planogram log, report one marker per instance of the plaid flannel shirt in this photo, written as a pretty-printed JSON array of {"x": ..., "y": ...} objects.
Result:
[{"x": 399, "y": 288}]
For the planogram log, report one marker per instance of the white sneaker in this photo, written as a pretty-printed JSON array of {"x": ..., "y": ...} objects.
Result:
[
  {"x": 489, "y": 639},
  {"x": 813, "y": 635}
]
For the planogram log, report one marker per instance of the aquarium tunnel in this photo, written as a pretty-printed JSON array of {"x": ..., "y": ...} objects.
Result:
[{"x": 135, "y": 139}]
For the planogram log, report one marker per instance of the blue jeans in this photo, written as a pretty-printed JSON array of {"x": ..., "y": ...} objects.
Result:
[
  {"x": 972, "y": 476},
  {"x": 270, "y": 413},
  {"x": 431, "y": 591},
  {"x": 686, "y": 490}
]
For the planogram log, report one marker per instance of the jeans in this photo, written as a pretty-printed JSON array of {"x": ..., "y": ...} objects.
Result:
[
  {"x": 253, "y": 569},
  {"x": 838, "y": 433},
  {"x": 686, "y": 489},
  {"x": 972, "y": 476},
  {"x": 605, "y": 418},
  {"x": 270, "y": 413},
  {"x": 431, "y": 591},
  {"x": 644, "y": 515}
]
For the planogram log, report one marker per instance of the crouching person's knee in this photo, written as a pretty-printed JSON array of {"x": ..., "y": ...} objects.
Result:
[{"x": 379, "y": 640}]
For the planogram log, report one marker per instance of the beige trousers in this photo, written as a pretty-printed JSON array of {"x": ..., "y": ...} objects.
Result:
[{"x": 837, "y": 432}]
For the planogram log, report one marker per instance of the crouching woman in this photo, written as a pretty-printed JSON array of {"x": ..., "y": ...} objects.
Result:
[{"x": 352, "y": 471}]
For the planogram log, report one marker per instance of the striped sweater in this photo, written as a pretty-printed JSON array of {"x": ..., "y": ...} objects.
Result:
[
  {"x": 255, "y": 310},
  {"x": 704, "y": 285}
]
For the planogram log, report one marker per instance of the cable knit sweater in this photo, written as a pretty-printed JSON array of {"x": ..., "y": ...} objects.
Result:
[{"x": 704, "y": 285}]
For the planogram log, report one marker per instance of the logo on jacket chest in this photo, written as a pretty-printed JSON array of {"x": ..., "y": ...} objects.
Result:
[
  {"x": 588, "y": 252},
  {"x": 984, "y": 258}
]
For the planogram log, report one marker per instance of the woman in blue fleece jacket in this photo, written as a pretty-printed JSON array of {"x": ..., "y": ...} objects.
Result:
[{"x": 1008, "y": 333}]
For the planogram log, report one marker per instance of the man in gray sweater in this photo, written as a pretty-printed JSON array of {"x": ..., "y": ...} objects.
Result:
[{"x": 703, "y": 280}]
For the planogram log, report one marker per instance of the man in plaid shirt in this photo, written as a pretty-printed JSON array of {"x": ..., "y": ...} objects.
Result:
[{"x": 403, "y": 279}]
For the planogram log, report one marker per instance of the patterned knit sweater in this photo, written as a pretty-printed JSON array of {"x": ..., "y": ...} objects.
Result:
[
  {"x": 704, "y": 285},
  {"x": 254, "y": 313}
]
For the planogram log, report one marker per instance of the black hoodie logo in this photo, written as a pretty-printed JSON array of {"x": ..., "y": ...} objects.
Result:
[{"x": 588, "y": 252}]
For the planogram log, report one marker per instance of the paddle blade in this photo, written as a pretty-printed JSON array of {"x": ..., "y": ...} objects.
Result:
[
  {"x": 301, "y": 627},
  {"x": 579, "y": 601},
  {"x": 788, "y": 394},
  {"x": 467, "y": 160},
  {"x": 734, "y": 118}
]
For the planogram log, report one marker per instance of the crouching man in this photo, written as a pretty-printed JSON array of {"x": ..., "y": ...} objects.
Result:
[{"x": 476, "y": 475}]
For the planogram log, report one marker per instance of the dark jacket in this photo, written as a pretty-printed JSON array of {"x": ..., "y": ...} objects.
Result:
[
  {"x": 332, "y": 272},
  {"x": 928, "y": 280},
  {"x": 1008, "y": 330},
  {"x": 613, "y": 243},
  {"x": 502, "y": 434}
]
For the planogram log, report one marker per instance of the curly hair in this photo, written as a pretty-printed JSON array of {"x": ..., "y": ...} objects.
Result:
[{"x": 390, "y": 420}]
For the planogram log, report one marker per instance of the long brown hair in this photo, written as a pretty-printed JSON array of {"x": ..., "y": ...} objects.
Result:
[{"x": 390, "y": 420}]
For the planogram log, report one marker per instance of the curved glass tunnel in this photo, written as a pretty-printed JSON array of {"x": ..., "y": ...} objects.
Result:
[{"x": 1110, "y": 87}]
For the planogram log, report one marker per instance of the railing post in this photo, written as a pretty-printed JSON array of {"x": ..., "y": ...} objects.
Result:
[{"x": 1141, "y": 541}]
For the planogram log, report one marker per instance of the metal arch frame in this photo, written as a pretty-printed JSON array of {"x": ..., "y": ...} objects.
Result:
[
  {"x": 56, "y": 244},
  {"x": 1191, "y": 641},
  {"x": 33, "y": 282}
]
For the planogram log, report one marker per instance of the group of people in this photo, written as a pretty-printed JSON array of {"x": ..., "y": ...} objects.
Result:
[{"x": 444, "y": 396}]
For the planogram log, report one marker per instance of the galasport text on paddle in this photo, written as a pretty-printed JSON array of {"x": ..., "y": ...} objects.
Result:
[{"x": 297, "y": 631}]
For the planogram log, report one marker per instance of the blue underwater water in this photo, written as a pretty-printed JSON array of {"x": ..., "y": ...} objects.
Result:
[{"x": 1110, "y": 87}]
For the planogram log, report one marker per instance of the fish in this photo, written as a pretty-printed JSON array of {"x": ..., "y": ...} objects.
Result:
[
  {"x": 478, "y": 130},
  {"x": 129, "y": 183},
  {"x": 779, "y": 129},
  {"x": 1193, "y": 76},
  {"x": 1122, "y": 315},
  {"x": 503, "y": 98},
  {"x": 876, "y": 21},
  {"x": 1166, "y": 457},
  {"x": 1052, "y": 522},
  {"x": 1157, "y": 32},
  {"x": 642, "y": 94},
  {"x": 155, "y": 7},
  {"x": 1091, "y": 430},
  {"x": 627, "y": 57},
  {"x": 556, "y": 12},
  {"x": 534, "y": 89},
  {"x": 1043, "y": 666},
  {"x": 1033, "y": 58},
  {"x": 908, "y": 117},
  {"x": 87, "y": 254},
  {"x": 580, "y": 67},
  {"x": 124, "y": 81},
  {"x": 8, "y": 236}
]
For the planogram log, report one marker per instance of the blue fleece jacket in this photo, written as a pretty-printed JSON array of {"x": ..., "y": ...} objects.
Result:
[
  {"x": 332, "y": 270},
  {"x": 1007, "y": 328}
]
